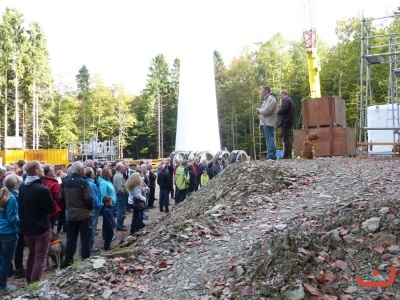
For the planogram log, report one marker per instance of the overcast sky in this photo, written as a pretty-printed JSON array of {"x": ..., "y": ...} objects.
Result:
[{"x": 117, "y": 39}]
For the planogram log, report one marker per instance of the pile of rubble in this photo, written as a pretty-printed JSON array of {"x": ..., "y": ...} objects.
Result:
[{"x": 290, "y": 229}]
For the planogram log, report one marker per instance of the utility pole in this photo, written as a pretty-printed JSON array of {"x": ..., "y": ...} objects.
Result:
[
  {"x": 84, "y": 126},
  {"x": 160, "y": 139}
]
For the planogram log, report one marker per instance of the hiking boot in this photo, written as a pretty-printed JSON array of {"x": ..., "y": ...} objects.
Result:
[{"x": 20, "y": 273}]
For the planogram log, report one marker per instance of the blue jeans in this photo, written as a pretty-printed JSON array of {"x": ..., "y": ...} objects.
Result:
[
  {"x": 8, "y": 243},
  {"x": 270, "y": 139},
  {"x": 121, "y": 208},
  {"x": 144, "y": 212},
  {"x": 95, "y": 219},
  {"x": 163, "y": 200}
]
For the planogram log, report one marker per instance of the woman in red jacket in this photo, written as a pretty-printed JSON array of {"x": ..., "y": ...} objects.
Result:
[{"x": 50, "y": 181}]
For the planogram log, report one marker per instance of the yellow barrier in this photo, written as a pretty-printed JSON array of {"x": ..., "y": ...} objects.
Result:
[
  {"x": 154, "y": 162},
  {"x": 55, "y": 157},
  {"x": 10, "y": 156},
  {"x": 49, "y": 156}
]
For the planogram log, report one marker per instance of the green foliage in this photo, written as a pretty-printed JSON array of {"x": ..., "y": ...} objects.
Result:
[
  {"x": 26, "y": 75},
  {"x": 13, "y": 52},
  {"x": 146, "y": 124},
  {"x": 77, "y": 264},
  {"x": 82, "y": 81},
  {"x": 158, "y": 103},
  {"x": 33, "y": 287}
]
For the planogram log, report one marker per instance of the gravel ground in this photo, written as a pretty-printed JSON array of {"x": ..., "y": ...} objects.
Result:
[{"x": 286, "y": 229}]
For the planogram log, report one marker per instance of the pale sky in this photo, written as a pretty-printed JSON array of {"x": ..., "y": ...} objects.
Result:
[{"x": 117, "y": 39}]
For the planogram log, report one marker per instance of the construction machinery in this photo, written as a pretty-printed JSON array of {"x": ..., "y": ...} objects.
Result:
[
  {"x": 310, "y": 42},
  {"x": 379, "y": 129}
]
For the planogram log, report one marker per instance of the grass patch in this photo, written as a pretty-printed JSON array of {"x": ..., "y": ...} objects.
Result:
[
  {"x": 77, "y": 264},
  {"x": 33, "y": 287}
]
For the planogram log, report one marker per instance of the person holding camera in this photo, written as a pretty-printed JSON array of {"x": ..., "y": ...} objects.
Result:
[{"x": 268, "y": 118}]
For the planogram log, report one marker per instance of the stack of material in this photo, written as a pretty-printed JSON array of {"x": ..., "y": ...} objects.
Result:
[{"x": 326, "y": 117}]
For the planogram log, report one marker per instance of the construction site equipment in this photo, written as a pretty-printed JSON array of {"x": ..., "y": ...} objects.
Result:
[
  {"x": 325, "y": 116},
  {"x": 379, "y": 50},
  {"x": 310, "y": 42},
  {"x": 224, "y": 154},
  {"x": 229, "y": 157},
  {"x": 324, "y": 111},
  {"x": 93, "y": 149},
  {"x": 364, "y": 147},
  {"x": 333, "y": 141},
  {"x": 238, "y": 156}
]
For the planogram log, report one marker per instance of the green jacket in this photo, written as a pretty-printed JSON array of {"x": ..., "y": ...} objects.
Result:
[
  {"x": 182, "y": 178},
  {"x": 204, "y": 179}
]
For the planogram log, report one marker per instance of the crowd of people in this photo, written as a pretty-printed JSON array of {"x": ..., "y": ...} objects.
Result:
[{"x": 37, "y": 202}]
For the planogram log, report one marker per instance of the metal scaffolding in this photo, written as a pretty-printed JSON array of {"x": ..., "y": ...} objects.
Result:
[
  {"x": 379, "y": 49},
  {"x": 93, "y": 149}
]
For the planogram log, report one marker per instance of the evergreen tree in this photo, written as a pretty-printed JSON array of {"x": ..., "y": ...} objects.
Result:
[
  {"x": 12, "y": 44},
  {"x": 170, "y": 115},
  {"x": 150, "y": 109},
  {"x": 37, "y": 86},
  {"x": 83, "y": 89}
]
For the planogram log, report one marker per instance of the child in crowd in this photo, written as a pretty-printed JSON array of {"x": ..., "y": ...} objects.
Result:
[
  {"x": 204, "y": 178},
  {"x": 108, "y": 222}
]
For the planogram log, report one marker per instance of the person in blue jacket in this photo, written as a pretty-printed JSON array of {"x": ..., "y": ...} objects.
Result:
[
  {"x": 9, "y": 228},
  {"x": 97, "y": 204}
]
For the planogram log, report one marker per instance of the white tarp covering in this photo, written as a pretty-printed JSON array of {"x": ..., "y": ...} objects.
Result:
[{"x": 381, "y": 116}]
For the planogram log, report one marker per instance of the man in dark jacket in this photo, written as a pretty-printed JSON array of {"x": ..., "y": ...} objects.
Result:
[
  {"x": 192, "y": 179},
  {"x": 152, "y": 180},
  {"x": 286, "y": 122},
  {"x": 77, "y": 198},
  {"x": 35, "y": 203},
  {"x": 219, "y": 166},
  {"x": 165, "y": 183}
]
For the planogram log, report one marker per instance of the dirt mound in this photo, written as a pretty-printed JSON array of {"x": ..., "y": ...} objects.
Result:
[{"x": 290, "y": 229}]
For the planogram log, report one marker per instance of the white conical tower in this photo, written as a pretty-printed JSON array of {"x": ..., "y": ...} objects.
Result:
[{"x": 197, "y": 128}]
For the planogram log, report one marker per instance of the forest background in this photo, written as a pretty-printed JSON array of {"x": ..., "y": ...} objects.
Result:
[{"x": 49, "y": 115}]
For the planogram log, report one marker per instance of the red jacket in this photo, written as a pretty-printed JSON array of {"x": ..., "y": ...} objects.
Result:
[
  {"x": 196, "y": 170},
  {"x": 54, "y": 187}
]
